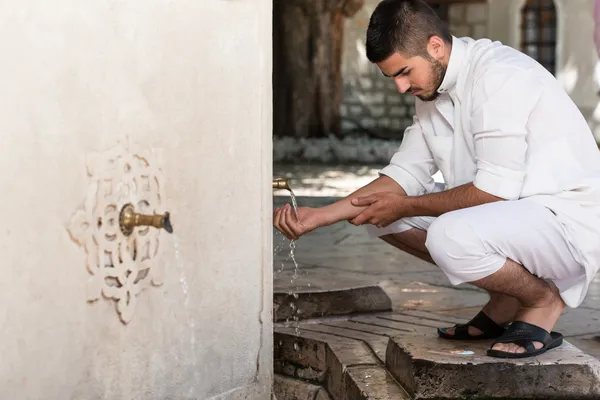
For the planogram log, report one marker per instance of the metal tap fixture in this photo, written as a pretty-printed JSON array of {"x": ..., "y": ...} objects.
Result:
[
  {"x": 129, "y": 219},
  {"x": 281, "y": 184}
]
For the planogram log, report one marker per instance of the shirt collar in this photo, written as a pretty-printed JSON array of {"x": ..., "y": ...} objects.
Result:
[{"x": 455, "y": 63}]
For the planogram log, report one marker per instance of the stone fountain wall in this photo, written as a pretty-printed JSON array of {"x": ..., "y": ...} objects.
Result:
[{"x": 106, "y": 103}]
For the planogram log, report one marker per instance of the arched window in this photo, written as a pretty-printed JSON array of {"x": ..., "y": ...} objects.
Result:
[{"x": 538, "y": 32}]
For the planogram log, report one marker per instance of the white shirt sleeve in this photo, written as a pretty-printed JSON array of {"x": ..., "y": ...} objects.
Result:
[
  {"x": 502, "y": 104},
  {"x": 412, "y": 166}
]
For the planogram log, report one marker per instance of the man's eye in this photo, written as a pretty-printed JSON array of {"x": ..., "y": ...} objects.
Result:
[{"x": 406, "y": 73}]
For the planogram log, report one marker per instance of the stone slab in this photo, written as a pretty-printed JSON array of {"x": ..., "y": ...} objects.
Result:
[
  {"x": 329, "y": 303},
  {"x": 376, "y": 343},
  {"x": 285, "y": 388},
  {"x": 322, "y": 352},
  {"x": 434, "y": 368},
  {"x": 372, "y": 383},
  {"x": 415, "y": 320},
  {"x": 399, "y": 326},
  {"x": 432, "y": 316},
  {"x": 369, "y": 328},
  {"x": 323, "y": 395},
  {"x": 420, "y": 295},
  {"x": 305, "y": 350}
]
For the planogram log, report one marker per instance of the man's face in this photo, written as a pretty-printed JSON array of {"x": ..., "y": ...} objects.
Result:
[{"x": 416, "y": 75}]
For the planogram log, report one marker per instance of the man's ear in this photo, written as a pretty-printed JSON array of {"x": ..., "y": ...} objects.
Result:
[{"x": 436, "y": 47}]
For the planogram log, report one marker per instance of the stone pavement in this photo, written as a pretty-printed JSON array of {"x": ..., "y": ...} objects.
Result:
[{"x": 419, "y": 297}]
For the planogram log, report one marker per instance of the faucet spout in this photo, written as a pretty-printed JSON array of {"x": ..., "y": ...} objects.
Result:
[
  {"x": 129, "y": 219},
  {"x": 281, "y": 184}
]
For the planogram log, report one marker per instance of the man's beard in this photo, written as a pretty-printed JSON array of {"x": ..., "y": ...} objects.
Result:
[{"x": 438, "y": 72}]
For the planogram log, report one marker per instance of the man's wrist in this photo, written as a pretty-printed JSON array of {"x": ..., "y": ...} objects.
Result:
[{"x": 409, "y": 205}]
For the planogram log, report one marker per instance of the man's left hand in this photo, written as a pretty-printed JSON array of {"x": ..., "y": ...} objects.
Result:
[{"x": 382, "y": 209}]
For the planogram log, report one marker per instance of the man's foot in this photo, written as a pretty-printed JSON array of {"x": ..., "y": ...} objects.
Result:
[
  {"x": 542, "y": 314},
  {"x": 500, "y": 310}
]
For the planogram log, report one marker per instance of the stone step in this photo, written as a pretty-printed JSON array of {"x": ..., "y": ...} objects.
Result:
[
  {"x": 323, "y": 303},
  {"x": 372, "y": 383},
  {"x": 434, "y": 368},
  {"x": 351, "y": 369},
  {"x": 286, "y": 388}
]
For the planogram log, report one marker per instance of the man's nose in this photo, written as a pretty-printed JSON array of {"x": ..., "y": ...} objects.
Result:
[{"x": 402, "y": 84}]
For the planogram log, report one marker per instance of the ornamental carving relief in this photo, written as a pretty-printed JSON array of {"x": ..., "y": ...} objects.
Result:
[{"x": 121, "y": 265}]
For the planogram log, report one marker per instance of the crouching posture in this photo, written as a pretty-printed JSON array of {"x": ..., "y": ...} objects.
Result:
[{"x": 518, "y": 213}]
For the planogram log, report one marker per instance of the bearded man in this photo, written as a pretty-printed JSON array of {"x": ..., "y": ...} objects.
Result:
[{"x": 519, "y": 211}]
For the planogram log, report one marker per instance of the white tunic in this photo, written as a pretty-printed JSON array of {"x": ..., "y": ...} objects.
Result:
[{"x": 504, "y": 123}]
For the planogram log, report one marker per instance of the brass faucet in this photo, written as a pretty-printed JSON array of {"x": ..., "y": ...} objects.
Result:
[
  {"x": 281, "y": 184},
  {"x": 129, "y": 219}
]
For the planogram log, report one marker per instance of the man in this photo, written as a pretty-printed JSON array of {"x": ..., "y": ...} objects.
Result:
[{"x": 519, "y": 214}]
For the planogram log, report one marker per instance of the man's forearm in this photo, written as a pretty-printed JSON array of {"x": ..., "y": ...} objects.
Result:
[
  {"x": 436, "y": 204},
  {"x": 343, "y": 210}
]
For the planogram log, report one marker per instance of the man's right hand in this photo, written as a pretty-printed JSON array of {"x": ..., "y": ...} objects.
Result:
[{"x": 284, "y": 219}]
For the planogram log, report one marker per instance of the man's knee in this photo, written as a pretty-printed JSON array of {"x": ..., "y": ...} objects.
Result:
[{"x": 454, "y": 244}]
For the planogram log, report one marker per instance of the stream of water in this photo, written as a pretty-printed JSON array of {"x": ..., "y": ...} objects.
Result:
[{"x": 293, "y": 291}]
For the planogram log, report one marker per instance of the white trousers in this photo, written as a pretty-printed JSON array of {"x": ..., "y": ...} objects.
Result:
[{"x": 473, "y": 243}]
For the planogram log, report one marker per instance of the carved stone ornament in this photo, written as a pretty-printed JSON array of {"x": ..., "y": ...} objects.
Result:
[{"x": 121, "y": 266}]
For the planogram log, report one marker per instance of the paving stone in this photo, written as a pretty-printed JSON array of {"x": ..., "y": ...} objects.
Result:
[
  {"x": 285, "y": 388},
  {"x": 432, "y": 316},
  {"x": 433, "y": 368},
  {"x": 305, "y": 350},
  {"x": 405, "y": 327},
  {"x": 310, "y": 374},
  {"x": 284, "y": 368},
  {"x": 372, "y": 383},
  {"x": 589, "y": 346},
  {"x": 377, "y": 343},
  {"x": 419, "y": 295},
  {"x": 415, "y": 320},
  {"x": 323, "y": 395},
  {"x": 340, "y": 356},
  {"x": 322, "y": 352},
  {"x": 326, "y": 303},
  {"x": 370, "y": 328}
]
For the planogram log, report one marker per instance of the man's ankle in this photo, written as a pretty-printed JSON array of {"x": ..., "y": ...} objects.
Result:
[{"x": 502, "y": 308}]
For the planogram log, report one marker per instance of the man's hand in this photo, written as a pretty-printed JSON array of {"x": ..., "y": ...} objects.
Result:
[
  {"x": 383, "y": 209},
  {"x": 309, "y": 219}
]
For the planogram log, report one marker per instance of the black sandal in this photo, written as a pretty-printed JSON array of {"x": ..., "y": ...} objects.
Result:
[
  {"x": 481, "y": 321},
  {"x": 524, "y": 334}
]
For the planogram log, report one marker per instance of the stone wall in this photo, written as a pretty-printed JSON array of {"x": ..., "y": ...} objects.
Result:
[
  {"x": 468, "y": 19},
  {"x": 370, "y": 102}
]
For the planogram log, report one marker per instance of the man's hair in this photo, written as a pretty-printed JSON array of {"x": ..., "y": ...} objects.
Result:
[{"x": 403, "y": 26}]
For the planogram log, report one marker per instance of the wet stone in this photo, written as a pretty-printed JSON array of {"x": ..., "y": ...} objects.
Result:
[
  {"x": 323, "y": 395},
  {"x": 377, "y": 343},
  {"x": 372, "y": 383},
  {"x": 324, "y": 303},
  {"x": 434, "y": 368},
  {"x": 341, "y": 355},
  {"x": 306, "y": 350},
  {"x": 285, "y": 388},
  {"x": 310, "y": 374}
]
